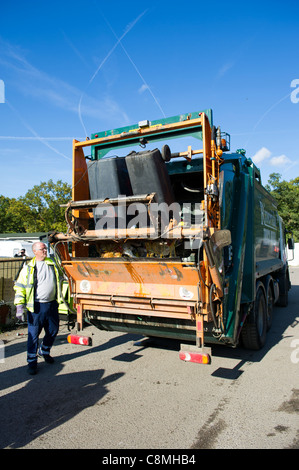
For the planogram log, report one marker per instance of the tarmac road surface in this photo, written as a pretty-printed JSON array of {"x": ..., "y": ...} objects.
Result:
[{"x": 126, "y": 392}]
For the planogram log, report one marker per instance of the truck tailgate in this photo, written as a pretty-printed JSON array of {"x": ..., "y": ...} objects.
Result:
[{"x": 154, "y": 287}]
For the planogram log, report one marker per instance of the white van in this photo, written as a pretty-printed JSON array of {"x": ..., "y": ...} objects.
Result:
[{"x": 9, "y": 248}]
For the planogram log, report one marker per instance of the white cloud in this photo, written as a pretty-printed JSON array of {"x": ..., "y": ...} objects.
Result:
[
  {"x": 265, "y": 154},
  {"x": 261, "y": 155},
  {"x": 280, "y": 160}
]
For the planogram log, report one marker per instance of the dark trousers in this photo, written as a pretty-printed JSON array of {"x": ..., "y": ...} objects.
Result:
[{"x": 45, "y": 316}]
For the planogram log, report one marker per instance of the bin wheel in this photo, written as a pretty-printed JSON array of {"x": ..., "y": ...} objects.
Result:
[{"x": 166, "y": 153}]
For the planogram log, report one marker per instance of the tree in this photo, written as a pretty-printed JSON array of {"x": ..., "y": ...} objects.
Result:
[
  {"x": 38, "y": 211},
  {"x": 43, "y": 202},
  {"x": 287, "y": 197},
  {"x": 10, "y": 220}
]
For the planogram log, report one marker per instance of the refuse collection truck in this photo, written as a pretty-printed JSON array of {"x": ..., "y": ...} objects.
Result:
[{"x": 172, "y": 235}]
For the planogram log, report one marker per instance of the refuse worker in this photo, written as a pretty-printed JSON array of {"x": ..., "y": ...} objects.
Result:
[{"x": 37, "y": 289}]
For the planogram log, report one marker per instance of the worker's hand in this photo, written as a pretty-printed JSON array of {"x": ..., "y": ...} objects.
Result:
[{"x": 21, "y": 312}]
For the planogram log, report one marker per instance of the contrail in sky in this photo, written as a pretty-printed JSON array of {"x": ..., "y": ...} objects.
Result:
[
  {"x": 265, "y": 114},
  {"x": 42, "y": 140},
  {"x": 128, "y": 29},
  {"x": 135, "y": 67}
]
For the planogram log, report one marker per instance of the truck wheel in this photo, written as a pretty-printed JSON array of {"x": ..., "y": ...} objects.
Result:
[
  {"x": 270, "y": 303},
  {"x": 254, "y": 332},
  {"x": 283, "y": 299}
]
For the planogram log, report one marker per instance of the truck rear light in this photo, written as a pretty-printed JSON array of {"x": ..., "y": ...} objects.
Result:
[
  {"x": 77, "y": 339},
  {"x": 198, "y": 357}
]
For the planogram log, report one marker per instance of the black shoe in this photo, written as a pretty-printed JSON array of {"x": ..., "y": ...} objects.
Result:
[
  {"x": 32, "y": 370},
  {"x": 49, "y": 359}
]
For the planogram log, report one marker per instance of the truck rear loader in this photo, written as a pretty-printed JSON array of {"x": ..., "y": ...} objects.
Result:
[{"x": 167, "y": 239}]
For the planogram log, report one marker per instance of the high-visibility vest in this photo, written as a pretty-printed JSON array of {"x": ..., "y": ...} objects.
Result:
[{"x": 24, "y": 286}]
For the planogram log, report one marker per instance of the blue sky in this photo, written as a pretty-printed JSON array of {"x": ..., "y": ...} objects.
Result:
[{"x": 72, "y": 68}]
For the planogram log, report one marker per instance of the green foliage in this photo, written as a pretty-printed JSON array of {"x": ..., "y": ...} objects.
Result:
[
  {"x": 38, "y": 211},
  {"x": 10, "y": 220},
  {"x": 286, "y": 194}
]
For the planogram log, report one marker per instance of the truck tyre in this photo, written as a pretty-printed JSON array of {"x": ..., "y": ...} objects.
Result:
[
  {"x": 255, "y": 329},
  {"x": 283, "y": 299},
  {"x": 270, "y": 301}
]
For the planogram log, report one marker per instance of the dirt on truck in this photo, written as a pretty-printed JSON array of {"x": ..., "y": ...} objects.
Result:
[{"x": 171, "y": 234}]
